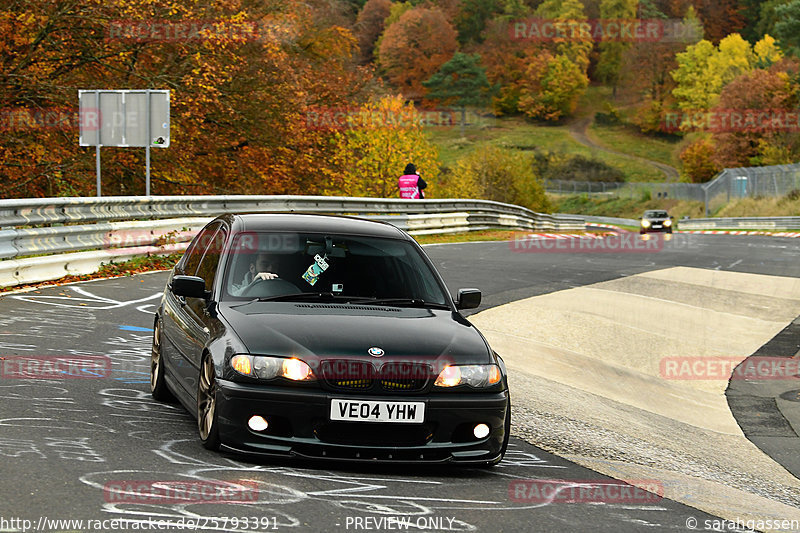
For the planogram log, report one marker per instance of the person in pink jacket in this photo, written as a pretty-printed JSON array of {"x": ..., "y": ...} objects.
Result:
[{"x": 411, "y": 183}]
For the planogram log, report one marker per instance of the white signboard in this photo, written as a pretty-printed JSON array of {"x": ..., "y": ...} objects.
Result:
[{"x": 135, "y": 118}]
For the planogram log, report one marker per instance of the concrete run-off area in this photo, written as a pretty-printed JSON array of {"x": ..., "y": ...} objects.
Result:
[{"x": 588, "y": 379}]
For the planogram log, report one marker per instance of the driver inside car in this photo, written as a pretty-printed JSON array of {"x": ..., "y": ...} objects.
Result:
[{"x": 261, "y": 268}]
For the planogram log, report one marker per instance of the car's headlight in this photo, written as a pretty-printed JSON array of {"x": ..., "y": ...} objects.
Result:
[
  {"x": 473, "y": 375},
  {"x": 645, "y": 223},
  {"x": 263, "y": 367},
  {"x": 668, "y": 222}
]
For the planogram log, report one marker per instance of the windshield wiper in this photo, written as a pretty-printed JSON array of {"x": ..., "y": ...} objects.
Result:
[
  {"x": 400, "y": 302},
  {"x": 304, "y": 296}
]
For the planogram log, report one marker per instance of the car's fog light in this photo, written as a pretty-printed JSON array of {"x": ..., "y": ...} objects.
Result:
[
  {"x": 258, "y": 423},
  {"x": 480, "y": 431}
]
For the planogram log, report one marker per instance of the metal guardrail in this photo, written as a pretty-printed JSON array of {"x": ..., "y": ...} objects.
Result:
[
  {"x": 614, "y": 221},
  {"x": 78, "y": 234},
  {"x": 742, "y": 223},
  {"x": 763, "y": 223}
]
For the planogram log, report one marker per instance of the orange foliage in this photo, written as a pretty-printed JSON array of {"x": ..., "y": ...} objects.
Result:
[
  {"x": 414, "y": 47},
  {"x": 240, "y": 92}
]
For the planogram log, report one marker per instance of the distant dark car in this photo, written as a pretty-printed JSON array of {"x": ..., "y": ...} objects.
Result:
[
  {"x": 330, "y": 338},
  {"x": 656, "y": 221}
]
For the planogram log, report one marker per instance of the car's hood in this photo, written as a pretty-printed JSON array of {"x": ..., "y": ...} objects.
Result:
[{"x": 308, "y": 330}]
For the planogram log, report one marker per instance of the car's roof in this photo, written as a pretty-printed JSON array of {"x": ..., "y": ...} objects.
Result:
[{"x": 313, "y": 223}]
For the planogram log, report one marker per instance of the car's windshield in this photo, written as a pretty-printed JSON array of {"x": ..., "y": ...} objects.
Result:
[
  {"x": 656, "y": 214},
  {"x": 279, "y": 265}
]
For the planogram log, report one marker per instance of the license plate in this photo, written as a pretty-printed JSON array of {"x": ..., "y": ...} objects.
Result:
[
  {"x": 656, "y": 225},
  {"x": 371, "y": 411}
]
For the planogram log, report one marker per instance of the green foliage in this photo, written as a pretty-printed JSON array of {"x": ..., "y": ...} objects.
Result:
[
  {"x": 556, "y": 166},
  {"x": 552, "y": 87},
  {"x": 607, "y": 118},
  {"x": 472, "y": 17},
  {"x": 787, "y": 26},
  {"x": 497, "y": 174},
  {"x": 611, "y": 52},
  {"x": 461, "y": 82},
  {"x": 767, "y": 18}
]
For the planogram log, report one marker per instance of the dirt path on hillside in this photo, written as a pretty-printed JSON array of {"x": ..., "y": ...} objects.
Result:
[{"x": 578, "y": 131}]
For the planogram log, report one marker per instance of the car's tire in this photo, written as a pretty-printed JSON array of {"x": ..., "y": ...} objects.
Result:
[
  {"x": 207, "y": 424},
  {"x": 641, "y": 232},
  {"x": 158, "y": 383},
  {"x": 669, "y": 231}
]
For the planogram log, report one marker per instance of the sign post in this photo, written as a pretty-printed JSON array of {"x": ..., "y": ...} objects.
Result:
[{"x": 124, "y": 118}]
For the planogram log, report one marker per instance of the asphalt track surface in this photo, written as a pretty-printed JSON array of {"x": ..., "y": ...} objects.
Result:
[{"x": 62, "y": 441}]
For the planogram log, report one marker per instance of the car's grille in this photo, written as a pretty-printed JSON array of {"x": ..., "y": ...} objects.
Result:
[
  {"x": 374, "y": 434},
  {"x": 396, "y": 377},
  {"x": 351, "y": 384}
]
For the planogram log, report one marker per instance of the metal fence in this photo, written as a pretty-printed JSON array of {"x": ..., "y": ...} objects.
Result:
[
  {"x": 730, "y": 184},
  {"x": 679, "y": 191},
  {"x": 750, "y": 182}
]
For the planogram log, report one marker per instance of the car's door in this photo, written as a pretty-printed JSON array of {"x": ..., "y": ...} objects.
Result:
[
  {"x": 181, "y": 330},
  {"x": 198, "y": 310}
]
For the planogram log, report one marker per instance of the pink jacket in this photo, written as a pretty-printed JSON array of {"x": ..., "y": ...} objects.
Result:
[{"x": 408, "y": 186}]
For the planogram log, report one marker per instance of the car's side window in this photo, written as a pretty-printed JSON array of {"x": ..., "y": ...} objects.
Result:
[
  {"x": 192, "y": 257},
  {"x": 210, "y": 261}
]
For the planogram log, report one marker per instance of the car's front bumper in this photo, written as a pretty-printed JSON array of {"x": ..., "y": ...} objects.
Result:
[
  {"x": 651, "y": 229},
  {"x": 300, "y": 426}
]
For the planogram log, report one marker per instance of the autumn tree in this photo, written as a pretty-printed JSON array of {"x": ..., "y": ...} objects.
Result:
[
  {"x": 240, "y": 86},
  {"x": 375, "y": 145},
  {"x": 612, "y": 52},
  {"x": 698, "y": 161},
  {"x": 720, "y": 18},
  {"x": 497, "y": 174},
  {"x": 369, "y": 26},
  {"x": 576, "y": 50},
  {"x": 551, "y": 87},
  {"x": 703, "y": 69},
  {"x": 764, "y": 102},
  {"x": 646, "y": 70},
  {"x": 415, "y": 47}
]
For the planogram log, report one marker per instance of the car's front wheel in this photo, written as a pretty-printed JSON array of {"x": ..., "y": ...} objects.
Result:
[
  {"x": 207, "y": 405},
  {"x": 158, "y": 385}
]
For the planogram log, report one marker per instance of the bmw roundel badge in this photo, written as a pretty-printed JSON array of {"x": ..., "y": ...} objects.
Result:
[{"x": 375, "y": 352}]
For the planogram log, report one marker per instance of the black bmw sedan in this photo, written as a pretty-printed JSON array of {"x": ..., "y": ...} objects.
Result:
[
  {"x": 326, "y": 337},
  {"x": 656, "y": 220}
]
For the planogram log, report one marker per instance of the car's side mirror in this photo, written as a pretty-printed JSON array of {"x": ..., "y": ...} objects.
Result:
[
  {"x": 468, "y": 298},
  {"x": 189, "y": 287}
]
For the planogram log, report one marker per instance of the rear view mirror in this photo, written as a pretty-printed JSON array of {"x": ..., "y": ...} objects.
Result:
[
  {"x": 468, "y": 298},
  {"x": 189, "y": 287}
]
